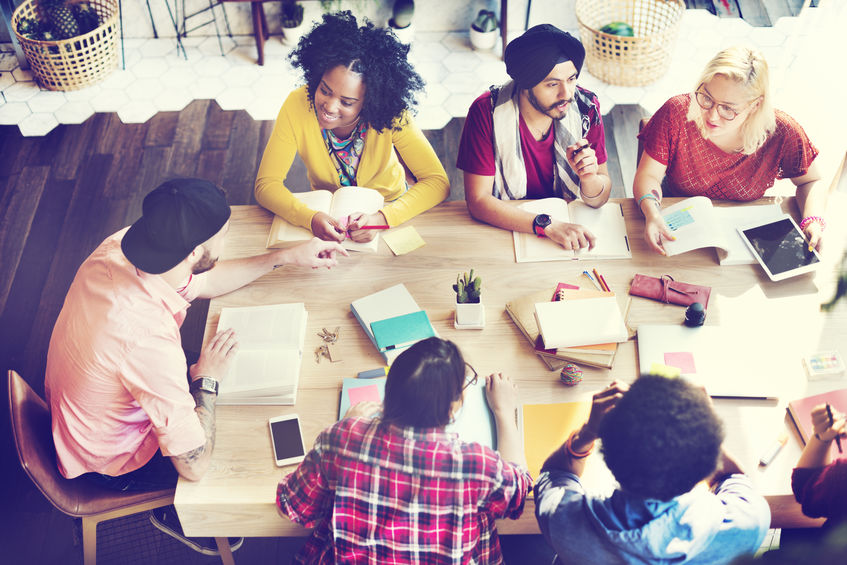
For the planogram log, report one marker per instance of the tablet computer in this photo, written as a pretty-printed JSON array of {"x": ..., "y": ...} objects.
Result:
[{"x": 780, "y": 248}]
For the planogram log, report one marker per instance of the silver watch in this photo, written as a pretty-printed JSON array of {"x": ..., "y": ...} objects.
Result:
[{"x": 206, "y": 384}]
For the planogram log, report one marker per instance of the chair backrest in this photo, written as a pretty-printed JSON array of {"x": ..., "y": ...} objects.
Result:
[
  {"x": 641, "y": 125},
  {"x": 34, "y": 444}
]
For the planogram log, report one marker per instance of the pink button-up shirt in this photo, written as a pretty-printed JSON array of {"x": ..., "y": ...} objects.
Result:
[{"x": 116, "y": 372}]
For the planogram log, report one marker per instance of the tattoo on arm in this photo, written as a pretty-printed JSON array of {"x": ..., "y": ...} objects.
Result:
[{"x": 205, "y": 409}]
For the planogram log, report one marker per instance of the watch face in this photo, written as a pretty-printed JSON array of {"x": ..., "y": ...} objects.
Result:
[
  {"x": 205, "y": 384},
  {"x": 543, "y": 220}
]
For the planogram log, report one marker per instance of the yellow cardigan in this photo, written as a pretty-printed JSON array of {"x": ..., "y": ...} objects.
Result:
[{"x": 297, "y": 131}]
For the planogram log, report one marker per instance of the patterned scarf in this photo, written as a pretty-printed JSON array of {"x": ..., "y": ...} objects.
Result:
[
  {"x": 510, "y": 176},
  {"x": 345, "y": 153}
]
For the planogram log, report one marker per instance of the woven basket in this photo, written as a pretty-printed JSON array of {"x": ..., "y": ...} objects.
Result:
[
  {"x": 72, "y": 64},
  {"x": 629, "y": 61}
]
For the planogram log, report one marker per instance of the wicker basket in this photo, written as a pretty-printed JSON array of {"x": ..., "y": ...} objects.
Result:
[
  {"x": 72, "y": 64},
  {"x": 629, "y": 61}
]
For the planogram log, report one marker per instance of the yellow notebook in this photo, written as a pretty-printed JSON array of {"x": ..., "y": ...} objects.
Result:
[{"x": 547, "y": 426}]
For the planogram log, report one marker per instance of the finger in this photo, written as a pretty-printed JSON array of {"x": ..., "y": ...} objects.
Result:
[
  {"x": 592, "y": 239},
  {"x": 582, "y": 241}
]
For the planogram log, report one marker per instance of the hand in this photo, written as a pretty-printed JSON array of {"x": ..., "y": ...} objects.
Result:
[
  {"x": 656, "y": 231},
  {"x": 502, "y": 395},
  {"x": 601, "y": 404},
  {"x": 365, "y": 409},
  {"x": 814, "y": 233},
  {"x": 820, "y": 420},
  {"x": 314, "y": 253},
  {"x": 570, "y": 236},
  {"x": 582, "y": 158},
  {"x": 360, "y": 219},
  {"x": 216, "y": 356},
  {"x": 327, "y": 228}
]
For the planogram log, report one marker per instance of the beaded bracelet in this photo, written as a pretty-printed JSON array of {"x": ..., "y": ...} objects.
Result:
[
  {"x": 577, "y": 454},
  {"x": 648, "y": 195},
  {"x": 809, "y": 219}
]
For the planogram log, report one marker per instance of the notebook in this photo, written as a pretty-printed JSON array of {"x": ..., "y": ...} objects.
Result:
[
  {"x": 383, "y": 305},
  {"x": 474, "y": 422},
  {"x": 800, "y": 411},
  {"x": 716, "y": 357},
  {"x": 401, "y": 331},
  {"x": 569, "y": 323},
  {"x": 545, "y": 427}
]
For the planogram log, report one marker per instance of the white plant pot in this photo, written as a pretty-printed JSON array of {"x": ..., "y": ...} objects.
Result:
[
  {"x": 470, "y": 315},
  {"x": 483, "y": 40},
  {"x": 291, "y": 35},
  {"x": 405, "y": 35}
]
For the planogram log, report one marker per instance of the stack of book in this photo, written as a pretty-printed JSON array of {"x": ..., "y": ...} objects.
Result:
[{"x": 555, "y": 352}]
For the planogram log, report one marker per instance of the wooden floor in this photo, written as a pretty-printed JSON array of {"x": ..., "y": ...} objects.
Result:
[{"x": 62, "y": 194}]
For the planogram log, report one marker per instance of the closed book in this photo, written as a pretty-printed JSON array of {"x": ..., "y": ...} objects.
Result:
[
  {"x": 801, "y": 414},
  {"x": 568, "y": 323},
  {"x": 387, "y": 303},
  {"x": 401, "y": 331}
]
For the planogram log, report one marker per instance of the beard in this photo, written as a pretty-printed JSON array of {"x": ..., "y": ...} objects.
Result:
[
  {"x": 548, "y": 111},
  {"x": 205, "y": 263}
]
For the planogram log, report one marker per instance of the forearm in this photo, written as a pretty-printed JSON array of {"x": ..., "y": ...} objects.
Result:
[
  {"x": 563, "y": 460},
  {"x": 727, "y": 465},
  {"x": 595, "y": 189},
  {"x": 508, "y": 440},
  {"x": 232, "y": 274},
  {"x": 501, "y": 214},
  {"x": 811, "y": 199},
  {"x": 194, "y": 464},
  {"x": 647, "y": 184},
  {"x": 815, "y": 454},
  {"x": 423, "y": 195}
]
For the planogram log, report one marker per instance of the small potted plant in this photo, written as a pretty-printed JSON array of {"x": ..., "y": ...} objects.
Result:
[
  {"x": 470, "y": 312},
  {"x": 291, "y": 17},
  {"x": 401, "y": 21},
  {"x": 483, "y": 32}
]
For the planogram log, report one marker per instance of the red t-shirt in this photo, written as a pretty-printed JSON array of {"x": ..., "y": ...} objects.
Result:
[
  {"x": 697, "y": 167},
  {"x": 476, "y": 148}
]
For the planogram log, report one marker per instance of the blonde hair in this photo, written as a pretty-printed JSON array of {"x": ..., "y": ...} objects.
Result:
[{"x": 748, "y": 68}]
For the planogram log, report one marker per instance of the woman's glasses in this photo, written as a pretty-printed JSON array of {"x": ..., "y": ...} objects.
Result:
[
  {"x": 470, "y": 376},
  {"x": 707, "y": 102}
]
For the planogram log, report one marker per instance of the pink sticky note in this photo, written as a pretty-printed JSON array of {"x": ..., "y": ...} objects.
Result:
[
  {"x": 363, "y": 393},
  {"x": 684, "y": 360}
]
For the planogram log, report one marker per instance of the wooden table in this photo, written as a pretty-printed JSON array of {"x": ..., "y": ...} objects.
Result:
[{"x": 236, "y": 497}]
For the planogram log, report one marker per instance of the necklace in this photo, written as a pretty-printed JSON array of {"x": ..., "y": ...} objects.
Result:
[{"x": 540, "y": 133}]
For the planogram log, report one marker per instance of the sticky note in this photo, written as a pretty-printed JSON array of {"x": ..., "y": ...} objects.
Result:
[
  {"x": 664, "y": 370},
  {"x": 403, "y": 240},
  {"x": 363, "y": 394},
  {"x": 682, "y": 359}
]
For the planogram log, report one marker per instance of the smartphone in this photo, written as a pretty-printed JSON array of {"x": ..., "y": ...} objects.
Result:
[{"x": 287, "y": 440}]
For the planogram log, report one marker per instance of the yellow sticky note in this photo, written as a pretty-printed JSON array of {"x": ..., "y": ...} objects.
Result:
[
  {"x": 403, "y": 240},
  {"x": 665, "y": 370}
]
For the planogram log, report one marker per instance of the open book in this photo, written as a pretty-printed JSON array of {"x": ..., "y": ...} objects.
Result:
[
  {"x": 474, "y": 421},
  {"x": 266, "y": 369},
  {"x": 606, "y": 223},
  {"x": 696, "y": 223},
  {"x": 343, "y": 202}
]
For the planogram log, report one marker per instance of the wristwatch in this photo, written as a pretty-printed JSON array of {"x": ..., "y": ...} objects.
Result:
[
  {"x": 540, "y": 222},
  {"x": 204, "y": 383}
]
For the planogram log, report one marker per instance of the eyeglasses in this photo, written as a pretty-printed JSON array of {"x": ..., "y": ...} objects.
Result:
[
  {"x": 726, "y": 112},
  {"x": 470, "y": 376}
]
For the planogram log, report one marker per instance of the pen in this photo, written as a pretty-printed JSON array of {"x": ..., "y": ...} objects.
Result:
[
  {"x": 603, "y": 285},
  {"x": 581, "y": 147},
  {"x": 831, "y": 422},
  {"x": 773, "y": 450},
  {"x": 587, "y": 274},
  {"x": 383, "y": 227}
]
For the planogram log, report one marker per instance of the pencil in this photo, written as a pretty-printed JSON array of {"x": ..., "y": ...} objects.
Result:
[
  {"x": 831, "y": 421},
  {"x": 601, "y": 280}
]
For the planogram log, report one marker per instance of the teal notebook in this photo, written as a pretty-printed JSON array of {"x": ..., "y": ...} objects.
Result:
[
  {"x": 401, "y": 331},
  {"x": 474, "y": 421}
]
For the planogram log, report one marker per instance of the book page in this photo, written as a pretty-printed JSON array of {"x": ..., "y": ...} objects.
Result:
[
  {"x": 570, "y": 323},
  {"x": 693, "y": 223},
  {"x": 474, "y": 421},
  {"x": 265, "y": 327},
  {"x": 732, "y": 217},
  {"x": 528, "y": 246},
  {"x": 283, "y": 233},
  {"x": 256, "y": 369},
  {"x": 608, "y": 226},
  {"x": 349, "y": 200}
]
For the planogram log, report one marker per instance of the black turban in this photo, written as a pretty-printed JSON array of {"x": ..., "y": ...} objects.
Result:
[{"x": 530, "y": 57}]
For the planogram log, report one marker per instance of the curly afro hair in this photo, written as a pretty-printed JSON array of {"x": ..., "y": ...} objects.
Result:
[
  {"x": 662, "y": 438},
  {"x": 391, "y": 82}
]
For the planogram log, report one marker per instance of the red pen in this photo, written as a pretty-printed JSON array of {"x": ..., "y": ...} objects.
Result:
[{"x": 374, "y": 227}]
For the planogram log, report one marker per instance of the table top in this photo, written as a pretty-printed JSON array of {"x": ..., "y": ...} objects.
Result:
[{"x": 236, "y": 496}]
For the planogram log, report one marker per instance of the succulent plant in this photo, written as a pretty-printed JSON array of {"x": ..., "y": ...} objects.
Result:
[
  {"x": 468, "y": 288},
  {"x": 291, "y": 14},
  {"x": 402, "y": 13},
  {"x": 485, "y": 21}
]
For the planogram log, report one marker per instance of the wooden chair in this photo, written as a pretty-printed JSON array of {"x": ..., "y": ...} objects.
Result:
[
  {"x": 76, "y": 497},
  {"x": 260, "y": 26},
  {"x": 641, "y": 125}
]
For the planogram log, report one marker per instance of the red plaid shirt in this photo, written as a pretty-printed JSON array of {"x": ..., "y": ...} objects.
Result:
[
  {"x": 378, "y": 493},
  {"x": 696, "y": 167}
]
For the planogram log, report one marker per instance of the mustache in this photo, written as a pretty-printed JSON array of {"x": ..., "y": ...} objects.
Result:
[{"x": 560, "y": 102}]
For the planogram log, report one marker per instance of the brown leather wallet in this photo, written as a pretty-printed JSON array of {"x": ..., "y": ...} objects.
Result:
[{"x": 669, "y": 291}]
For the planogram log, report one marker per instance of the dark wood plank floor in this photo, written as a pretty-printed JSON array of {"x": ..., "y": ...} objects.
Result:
[{"x": 60, "y": 196}]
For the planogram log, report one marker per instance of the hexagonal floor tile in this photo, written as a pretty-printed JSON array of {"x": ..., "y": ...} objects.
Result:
[
  {"x": 137, "y": 112},
  {"x": 264, "y": 108},
  {"x": 464, "y": 61},
  {"x": 83, "y": 94},
  {"x": 463, "y": 83},
  {"x": 457, "y": 105},
  {"x": 172, "y": 100},
  {"x": 144, "y": 89},
  {"x": 235, "y": 98},
  {"x": 22, "y": 75},
  {"x": 21, "y": 91},
  {"x": 434, "y": 95},
  {"x": 149, "y": 67},
  {"x": 205, "y": 87},
  {"x": 8, "y": 61},
  {"x": 432, "y": 117},
  {"x": 158, "y": 47},
  {"x": 211, "y": 67},
  {"x": 428, "y": 51},
  {"x": 12, "y": 113},
  {"x": 47, "y": 101},
  {"x": 109, "y": 101},
  {"x": 118, "y": 80},
  {"x": 6, "y": 79},
  {"x": 241, "y": 76},
  {"x": 74, "y": 112},
  {"x": 37, "y": 124}
]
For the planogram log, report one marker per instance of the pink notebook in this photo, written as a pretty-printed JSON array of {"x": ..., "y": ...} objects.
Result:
[{"x": 801, "y": 411}]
